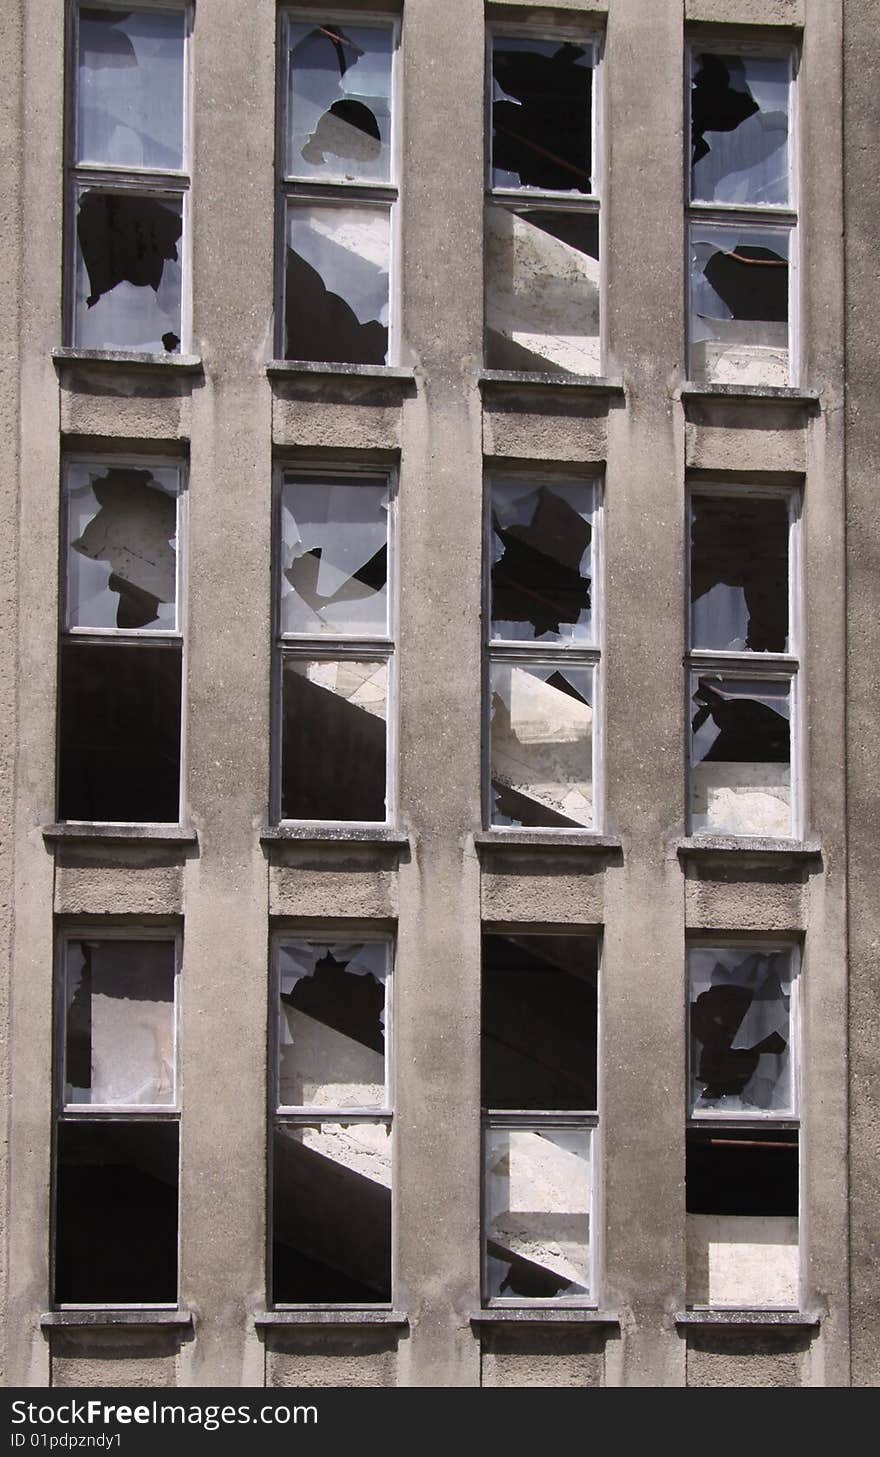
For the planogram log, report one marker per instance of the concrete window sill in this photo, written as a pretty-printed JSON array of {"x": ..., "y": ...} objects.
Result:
[
  {"x": 743, "y": 1319},
  {"x": 338, "y": 1317},
  {"x": 280, "y": 368},
  {"x": 110, "y": 1319},
  {"x": 543, "y": 1315},
  {"x": 769, "y": 394},
  {"x": 333, "y": 834},
  {"x": 129, "y": 358},
  {"x": 696, "y": 847},
  {"x": 556, "y": 379},
  {"x": 548, "y": 840},
  {"x": 137, "y": 834}
]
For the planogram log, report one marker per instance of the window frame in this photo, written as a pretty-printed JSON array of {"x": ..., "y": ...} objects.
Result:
[
  {"x": 159, "y": 185},
  {"x": 773, "y": 666},
  {"x": 538, "y": 654},
  {"x": 331, "y": 647},
  {"x": 290, "y": 189},
  {"x": 750, "y": 214}
]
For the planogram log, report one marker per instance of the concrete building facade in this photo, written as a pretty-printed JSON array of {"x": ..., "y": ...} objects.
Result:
[{"x": 619, "y": 1121}]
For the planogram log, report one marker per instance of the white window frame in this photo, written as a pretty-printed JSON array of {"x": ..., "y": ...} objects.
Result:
[
  {"x": 760, "y": 215},
  {"x": 307, "y": 1115},
  {"x": 311, "y": 191},
  {"x": 160, "y": 186},
  {"x": 309, "y": 647},
  {"x": 174, "y": 640},
  {"x": 774, "y": 667},
  {"x": 110, "y": 1113},
  {"x": 541, "y": 654},
  {"x": 546, "y": 199}
]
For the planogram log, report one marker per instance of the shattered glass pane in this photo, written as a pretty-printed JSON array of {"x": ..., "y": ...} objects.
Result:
[
  {"x": 538, "y": 1195},
  {"x": 336, "y": 283},
  {"x": 331, "y": 1024},
  {"x": 119, "y": 1046},
  {"x": 739, "y": 574},
  {"x": 128, "y": 276},
  {"x": 333, "y": 739},
  {"x": 129, "y": 88},
  {"x": 740, "y": 1027},
  {"x": 741, "y": 756},
  {"x": 542, "y": 290},
  {"x": 542, "y": 745},
  {"x": 542, "y": 562},
  {"x": 116, "y": 1212},
  {"x": 334, "y": 543},
  {"x": 119, "y": 732},
  {"x": 739, "y": 304},
  {"x": 739, "y": 123},
  {"x": 121, "y": 546},
  {"x": 331, "y": 1204},
  {"x": 541, "y": 114},
  {"x": 539, "y": 1022},
  {"x": 339, "y": 102}
]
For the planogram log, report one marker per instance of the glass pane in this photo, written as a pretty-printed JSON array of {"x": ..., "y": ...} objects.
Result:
[
  {"x": 538, "y": 1195},
  {"x": 336, "y": 284},
  {"x": 539, "y": 1022},
  {"x": 542, "y": 562},
  {"x": 116, "y": 1212},
  {"x": 740, "y": 1023},
  {"x": 129, "y": 88},
  {"x": 541, "y": 114},
  {"x": 542, "y": 745},
  {"x": 334, "y": 545},
  {"x": 739, "y": 123},
  {"x": 333, "y": 739},
  {"x": 339, "y": 102},
  {"x": 331, "y": 1213},
  {"x": 331, "y": 1024},
  {"x": 542, "y": 292},
  {"x": 739, "y": 304},
  {"x": 119, "y": 731},
  {"x": 128, "y": 276},
  {"x": 119, "y": 1044},
  {"x": 741, "y": 756},
  {"x": 121, "y": 546},
  {"x": 739, "y": 574}
]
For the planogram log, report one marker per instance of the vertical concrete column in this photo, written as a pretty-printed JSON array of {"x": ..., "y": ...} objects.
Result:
[
  {"x": 224, "y": 978},
  {"x": 437, "y": 998},
  {"x": 861, "y": 98},
  {"x": 642, "y": 1016},
  {"x": 37, "y": 295}
]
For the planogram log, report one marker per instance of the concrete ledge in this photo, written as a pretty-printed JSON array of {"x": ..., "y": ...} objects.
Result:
[
  {"x": 745, "y": 1318},
  {"x": 543, "y": 1315},
  {"x": 333, "y": 834},
  {"x": 548, "y": 840},
  {"x": 342, "y": 1316},
  {"x": 768, "y": 394},
  {"x": 590, "y": 384},
  {"x": 278, "y": 368},
  {"x": 178, "y": 363},
  {"x": 747, "y": 847},
  {"x": 106, "y": 1319},
  {"x": 155, "y": 834}
]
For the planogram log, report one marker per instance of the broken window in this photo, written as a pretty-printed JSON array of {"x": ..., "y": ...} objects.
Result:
[
  {"x": 542, "y": 214},
  {"x": 116, "y": 1171},
  {"x": 331, "y": 1158},
  {"x": 740, "y": 573},
  {"x": 539, "y": 1096},
  {"x": 128, "y": 183},
  {"x": 543, "y": 653},
  {"x": 740, "y": 285},
  {"x": 119, "y": 714},
  {"x": 334, "y": 645},
  {"x": 742, "y": 1140},
  {"x": 338, "y": 187}
]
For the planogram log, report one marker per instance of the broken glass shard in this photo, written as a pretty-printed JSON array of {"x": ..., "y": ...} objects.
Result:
[
  {"x": 333, "y": 739},
  {"x": 741, "y": 755},
  {"x": 334, "y": 544},
  {"x": 339, "y": 102},
  {"x": 542, "y": 290},
  {"x": 739, "y": 574},
  {"x": 336, "y": 284},
  {"x": 538, "y": 1196},
  {"x": 119, "y": 1048},
  {"x": 129, "y": 88},
  {"x": 128, "y": 277},
  {"x": 331, "y": 1024},
  {"x": 542, "y": 745},
  {"x": 740, "y": 1026},
  {"x": 542, "y": 562},
  {"x": 539, "y": 1022},
  {"x": 541, "y": 114},
  {"x": 739, "y": 121},
  {"x": 739, "y": 304},
  {"x": 121, "y": 546},
  {"x": 331, "y": 1213}
]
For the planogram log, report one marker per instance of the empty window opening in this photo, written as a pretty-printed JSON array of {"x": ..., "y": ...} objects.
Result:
[
  {"x": 542, "y": 745},
  {"x": 739, "y": 574},
  {"x": 542, "y": 301}
]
